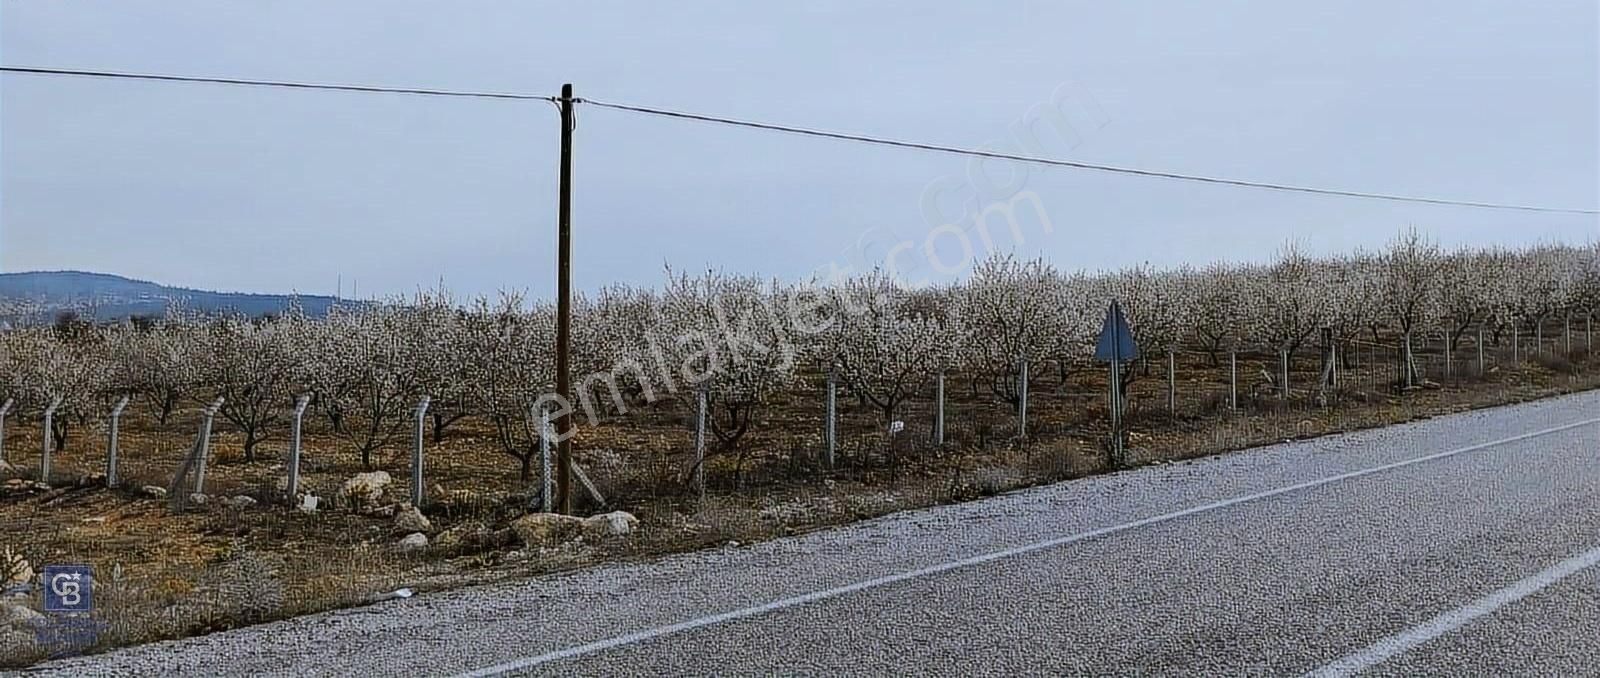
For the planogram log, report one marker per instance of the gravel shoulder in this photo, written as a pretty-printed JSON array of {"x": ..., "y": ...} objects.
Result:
[{"x": 1268, "y": 587}]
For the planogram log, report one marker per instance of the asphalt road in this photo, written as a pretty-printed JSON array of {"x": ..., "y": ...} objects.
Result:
[{"x": 1465, "y": 545}]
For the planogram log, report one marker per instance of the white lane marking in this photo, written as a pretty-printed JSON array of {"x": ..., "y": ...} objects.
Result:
[
  {"x": 649, "y": 634},
  {"x": 1387, "y": 648}
]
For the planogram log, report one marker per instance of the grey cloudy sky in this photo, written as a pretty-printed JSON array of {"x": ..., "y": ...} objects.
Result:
[{"x": 274, "y": 190}]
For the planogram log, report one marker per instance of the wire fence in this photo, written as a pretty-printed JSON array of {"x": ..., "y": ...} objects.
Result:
[{"x": 247, "y": 550}]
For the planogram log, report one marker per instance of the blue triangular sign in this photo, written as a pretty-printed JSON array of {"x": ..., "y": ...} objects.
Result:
[{"x": 1116, "y": 340}]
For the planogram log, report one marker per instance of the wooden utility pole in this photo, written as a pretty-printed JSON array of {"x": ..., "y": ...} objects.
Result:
[{"x": 564, "y": 310}]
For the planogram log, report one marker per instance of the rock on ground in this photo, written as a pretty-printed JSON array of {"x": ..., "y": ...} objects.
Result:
[
  {"x": 408, "y": 518},
  {"x": 154, "y": 492},
  {"x": 17, "y": 615},
  {"x": 464, "y": 534},
  {"x": 365, "y": 490},
  {"x": 613, "y": 524},
  {"x": 414, "y": 541},
  {"x": 14, "y": 569},
  {"x": 546, "y": 529},
  {"x": 308, "y": 503}
]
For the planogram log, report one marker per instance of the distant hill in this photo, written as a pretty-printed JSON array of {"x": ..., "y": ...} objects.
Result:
[{"x": 110, "y": 297}]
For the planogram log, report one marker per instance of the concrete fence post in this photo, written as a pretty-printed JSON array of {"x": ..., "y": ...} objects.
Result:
[
  {"x": 700, "y": 444},
  {"x": 1233, "y": 379},
  {"x": 416, "y": 451},
  {"x": 546, "y": 482},
  {"x": 204, "y": 444},
  {"x": 111, "y": 441},
  {"x": 292, "y": 487},
  {"x": 1172, "y": 381},
  {"x": 48, "y": 444},
  {"x": 4, "y": 410},
  {"x": 1566, "y": 331},
  {"x": 829, "y": 433},
  {"x": 1283, "y": 364},
  {"x": 1022, "y": 399},
  {"x": 938, "y": 411},
  {"x": 1448, "y": 356}
]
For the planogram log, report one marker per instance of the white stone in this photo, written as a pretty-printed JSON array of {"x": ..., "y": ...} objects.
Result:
[
  {"x": 613, "y": 524},
  {"x": 308, "y": 503},
  {"x": 414, "y": 541}
]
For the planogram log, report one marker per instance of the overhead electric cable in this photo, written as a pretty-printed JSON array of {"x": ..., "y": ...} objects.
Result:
[
  {"x": 897, "y": 143},
  {"x": 276, "y": 83}
]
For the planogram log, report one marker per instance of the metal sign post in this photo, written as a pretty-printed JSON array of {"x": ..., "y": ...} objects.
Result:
[{"x": 1115, "y": 345}]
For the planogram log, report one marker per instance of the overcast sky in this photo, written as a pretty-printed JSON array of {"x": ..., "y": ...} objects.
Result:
[{"x": 274, "y": 190}]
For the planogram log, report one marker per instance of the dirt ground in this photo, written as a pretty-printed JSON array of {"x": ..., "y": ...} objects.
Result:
[{"x": 160, "y": 574}]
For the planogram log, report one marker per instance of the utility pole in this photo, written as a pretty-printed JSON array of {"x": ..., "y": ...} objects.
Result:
[{"x": 564, "y": 310}]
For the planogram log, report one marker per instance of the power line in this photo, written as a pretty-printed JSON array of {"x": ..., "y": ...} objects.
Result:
[
  {"x": 841, "y": 136},
  {"x": 276, "y": 83},
  {"x": 862, "y": 138}
]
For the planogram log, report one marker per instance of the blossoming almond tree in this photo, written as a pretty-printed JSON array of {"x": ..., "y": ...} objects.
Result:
[
  {"x": 251, "y": 364},
  {"x": 729, "y": 336},
  {"x": 510, "y": 367},
  {"x": 1411, "y": 275},
  {"x": 1012, "y": 313},
  {"x": 888, "y": 348}
]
